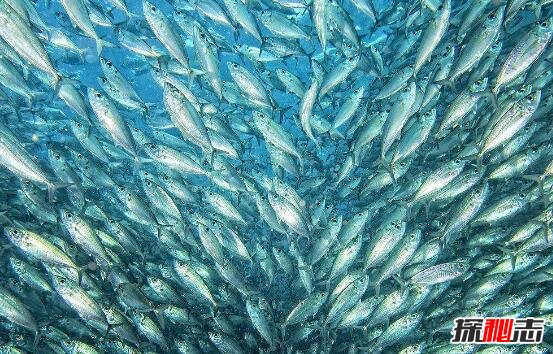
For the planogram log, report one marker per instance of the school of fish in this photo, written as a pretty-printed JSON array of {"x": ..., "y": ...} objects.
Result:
[{"x": 273, "y": 176}]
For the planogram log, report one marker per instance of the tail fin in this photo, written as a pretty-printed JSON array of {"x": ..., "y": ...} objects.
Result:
[
  {"x": 479, "y": 157},
  {"x": 491, "y": 96},
  {"x": 536, "y": 178},
  {"x": 92, "y": 266},
  {"x": 387, "y": 166},
  {"x": 101, "y": 43},
  {"x": 159, "y": 315},
  {"x": 402, "y": 283},
  {"x": 511, "y": 253}
]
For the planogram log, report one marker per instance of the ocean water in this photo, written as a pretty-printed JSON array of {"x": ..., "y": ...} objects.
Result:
[{"x": 150, "y": 205}]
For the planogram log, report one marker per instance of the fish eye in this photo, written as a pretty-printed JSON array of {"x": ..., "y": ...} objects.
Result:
[
  {"x": 62, "y": 281},
  {"x": 521, "y": 195},
  {"x": 27, "y": 182},
  {"x": 262, "y": 198},
  {"x": 179, "y": 12},
  {"x": 441, "y": 8},
  {"x": 80, "y": 156},
  {"x": 149, "y": 184},
  {"x": 111, "y": 221},
  {"x": 543, "y": 24},
  {"x": 109, "y": 64},
  {"x": 479, "y": 82},
  {"x": 334, "y": 220},
  {"x": 529, "y": 98},
  {"x": 534, "y": 149},
  {"x": 457, "y": 161},
  {"x": 68, "y": 214},
  {"x": 491, "y": 16},
  {"x": 427, "y": 114},
  {"x": 166, "y": 178},
  {"x": 14, "y": 232},
  {"x": 153, "y": 8},
  {"x": 234, "y": 65},
  {"x": 98, "y": 94},
  {"x": 351, "y": 59},
  {"x": 79, "y": 125},
  {"x": 57, "y": 156},
  {"x": 411, "y": 66}
]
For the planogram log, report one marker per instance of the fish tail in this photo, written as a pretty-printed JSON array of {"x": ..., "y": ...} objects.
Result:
[
  {"x": 101, "y": 43},
  {"x": 388, "y": 167},
  {"x": 159, "y": 315},
  {"x": 536, "y": 178}
]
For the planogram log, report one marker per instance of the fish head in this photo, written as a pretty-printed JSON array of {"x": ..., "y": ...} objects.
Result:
[
  {"x": 67, "y": 217},
  {"x": 545, "y": 27},
  {"x": 95, "y": 96},
  {"x": 150, "y": 10},
  {"x": 494, "y": 18},
  {"x": 531, "y": 101},
  {"x": 107, "y": 65},
  {"x": 479, "y": 86},
  {"x": 15, "y": 235}
]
